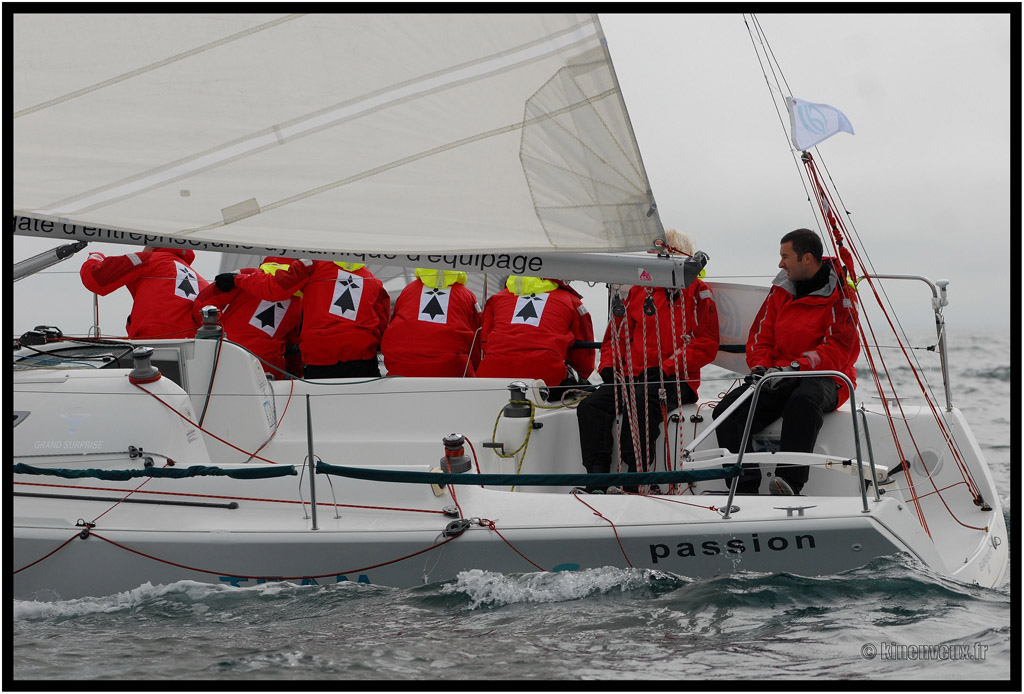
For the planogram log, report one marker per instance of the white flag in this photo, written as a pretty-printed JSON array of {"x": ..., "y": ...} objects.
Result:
[{"x": 812, "y": 123}]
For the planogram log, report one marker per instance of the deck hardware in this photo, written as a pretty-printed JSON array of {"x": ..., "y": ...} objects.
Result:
[
  {"x": 455, "y": 459},
  {"x": 790, "y": 509},
  {"x": 86, "y": 525},
  {"x": 456, "y": 527},
  {"x": 144, "y": 371}
]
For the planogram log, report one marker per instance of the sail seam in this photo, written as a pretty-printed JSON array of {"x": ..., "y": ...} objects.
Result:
[
  {"x": 155, "y": 66},
  {"x": 408, "y": 160},
  {"x": 324, "y": 119}
]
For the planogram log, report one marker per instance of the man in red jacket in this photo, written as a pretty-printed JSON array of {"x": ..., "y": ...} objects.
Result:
[
  {"x": 344, "y": 312},
  {"x": 162, "y": 283},
  {"x": 662, "y": 340},
  {"x": 434, "y": 328},
  {"x": 265, "y": 328},
  {"x": 529, "y": 329},
  {"x": 808, "y": 322}
]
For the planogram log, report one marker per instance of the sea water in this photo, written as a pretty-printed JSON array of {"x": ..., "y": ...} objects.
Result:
[{"x": 893, "y": 619}]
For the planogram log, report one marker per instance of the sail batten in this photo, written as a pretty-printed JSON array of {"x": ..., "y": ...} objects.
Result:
[{"x": 340, "y": 133}]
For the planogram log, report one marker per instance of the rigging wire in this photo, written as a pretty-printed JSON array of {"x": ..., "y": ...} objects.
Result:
[{"x": 829, "y": 212}]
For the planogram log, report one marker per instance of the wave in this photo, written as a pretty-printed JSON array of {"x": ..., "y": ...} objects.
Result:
[
  {"x": 881, "y": 578},
  {"x": 172, "y": 601},
  {"x": 476, "y": 590},
  {"x": 997, "y": 373},
  {"x": 482, "y": 588}
]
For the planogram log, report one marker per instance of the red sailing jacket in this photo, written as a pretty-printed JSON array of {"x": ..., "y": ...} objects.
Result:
[
  {"x": 343, "y": 313},
  {"x": 696, "y": 332},
  {"x": 263, "y": 327},
  {"x": 818, "y": 330},
  {"x": 530, "y": 336},
  {"x": 433, "y": 332},
  {"x": 163, "y": 287}
]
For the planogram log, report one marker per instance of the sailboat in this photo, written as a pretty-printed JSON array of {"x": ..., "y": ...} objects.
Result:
[{"x": 495, "y": 144}]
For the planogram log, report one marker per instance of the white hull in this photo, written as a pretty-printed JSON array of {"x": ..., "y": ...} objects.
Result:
[{"x": 393, "y": 533}]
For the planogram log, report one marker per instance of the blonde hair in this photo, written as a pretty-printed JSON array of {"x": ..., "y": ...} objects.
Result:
[{"x": 679, "y": 241}]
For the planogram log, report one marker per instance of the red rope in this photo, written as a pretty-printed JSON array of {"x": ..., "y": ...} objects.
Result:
[
  {"x": 208, "y": 433},
  {"x": 64, "y": 544},
  {"x": 287, "y": 402},
  {"x": 279, "y": 578},
  {"x": 489, "y": 524},
  {"x": 130, "y": 492},
  {"x": 827, "y": 207},
  {"x": 451, "y": 490},
  {"x": 609, "y": 522},
  {"x": 684, "y": 503}
]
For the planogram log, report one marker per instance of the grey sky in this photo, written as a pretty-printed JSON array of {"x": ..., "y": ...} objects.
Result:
[{"x": 926, "y": 177}]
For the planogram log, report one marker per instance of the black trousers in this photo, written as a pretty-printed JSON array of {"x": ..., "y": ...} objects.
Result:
[
  {"x": 596, "y": 416},
  {"x": 801, "y": 402},
  {"x": 356, "y": 368}
]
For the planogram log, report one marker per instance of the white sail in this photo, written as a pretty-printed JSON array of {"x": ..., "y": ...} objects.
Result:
[{"x": 317, "y": 133}]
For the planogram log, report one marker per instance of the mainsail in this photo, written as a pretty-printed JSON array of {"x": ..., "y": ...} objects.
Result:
[{"x": 340, "y": 133}]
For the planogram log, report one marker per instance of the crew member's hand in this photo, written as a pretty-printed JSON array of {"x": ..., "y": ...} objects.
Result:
[
  {"x": 755, "y": 375},
  {"x": 225, "y": 281},
  {"x": 774, "y": 384}
]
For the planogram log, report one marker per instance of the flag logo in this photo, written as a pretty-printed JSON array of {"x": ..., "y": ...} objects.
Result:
[
  {"x": 434, "y": 305},
  {"x": 186, "y": 282},
  {"x": 529, "y": 308},
  {"x": 268, "y": 315},
  {"x": 812, "y": 123},
  {"x": 348, "y": 291}
]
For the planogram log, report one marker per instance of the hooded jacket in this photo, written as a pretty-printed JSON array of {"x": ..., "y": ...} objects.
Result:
[
  {"x": 818, "y": 330},
  {"x": 163, "y": 286},
  {"x": 529, "y": 329},
  {"x": 695, "y": 318},
  {"x": 434, "y": 328},
  {"x": 263, "y": 327}
]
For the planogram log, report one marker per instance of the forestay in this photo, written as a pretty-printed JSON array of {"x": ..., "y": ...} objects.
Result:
[{"x": 340, "y": 133}]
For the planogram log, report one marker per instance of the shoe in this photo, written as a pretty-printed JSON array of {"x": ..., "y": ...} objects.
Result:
[
  {"x": 655, "y": 489},
  {"x": 613, "y": 490},
  {"x": 780, "y": 487}
]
